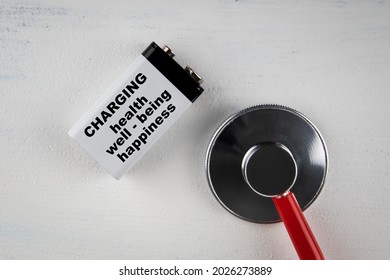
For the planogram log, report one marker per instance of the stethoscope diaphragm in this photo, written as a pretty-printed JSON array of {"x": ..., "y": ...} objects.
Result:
[{"x": 248, "y": 129}]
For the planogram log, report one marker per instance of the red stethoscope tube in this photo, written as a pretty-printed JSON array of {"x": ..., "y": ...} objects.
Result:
[{"x": 297, "y": 227}]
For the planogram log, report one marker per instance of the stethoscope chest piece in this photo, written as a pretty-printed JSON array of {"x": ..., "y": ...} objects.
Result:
[{"x": 262, "y": 151}]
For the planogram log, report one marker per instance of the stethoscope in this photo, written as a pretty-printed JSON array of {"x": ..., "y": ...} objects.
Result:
[{"x": 266, "y": 163}]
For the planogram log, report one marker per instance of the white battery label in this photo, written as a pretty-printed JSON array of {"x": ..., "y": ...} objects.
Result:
[{"x": 130, "y": 117}]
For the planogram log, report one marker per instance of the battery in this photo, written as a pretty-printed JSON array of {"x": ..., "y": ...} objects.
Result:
[{"x": 137, "y": 109}]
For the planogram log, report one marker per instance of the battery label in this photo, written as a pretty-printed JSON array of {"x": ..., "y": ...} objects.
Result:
[{"x": 130, "y": 117}]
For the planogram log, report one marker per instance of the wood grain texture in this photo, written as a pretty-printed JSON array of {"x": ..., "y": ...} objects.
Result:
[{"x": 327, "y": 59}]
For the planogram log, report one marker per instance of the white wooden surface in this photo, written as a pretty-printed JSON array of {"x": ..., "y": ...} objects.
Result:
[{"x": 328, "y": 59}]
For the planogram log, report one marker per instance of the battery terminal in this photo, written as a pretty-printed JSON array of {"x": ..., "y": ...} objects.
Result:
[
  {"x": 193, "y": 74},
  {"x": 168, "y": 51},
  {"x": 188, "y": 69}
]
